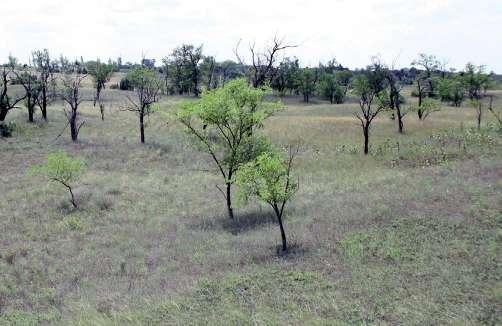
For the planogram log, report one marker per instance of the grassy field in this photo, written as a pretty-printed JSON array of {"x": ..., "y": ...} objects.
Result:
[{"x": 410, "y": 234}]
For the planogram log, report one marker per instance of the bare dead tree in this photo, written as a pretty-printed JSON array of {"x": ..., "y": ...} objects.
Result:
[
  {"x": 262, "y": 69},
  {"x": 496, "y": 114},
  {"x": 147, "y": 88},
  {"x": 45, "y": 68},
  {"x": 7, "y": 102},
  {"x": 71, "y": 95},
  {"x": 32, "y": 87}
]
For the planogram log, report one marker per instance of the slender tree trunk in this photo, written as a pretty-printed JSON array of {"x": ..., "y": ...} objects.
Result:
[
  {"x": 229, "y": 201},
  {"x": 73, "y": 126},
  {"x": 281, "y": 226},
  {"x": 480, "y": 113},
  {"x": 31, "y": 113},
  {"x": 3, "y": 114},
  {"x": 74, "y": 203},
  {"x": 142, "y": 126},
  {"x": 44, "y": 103},
  {"x": 400, "y": 124},
  {"x": 366, "y": 133}
]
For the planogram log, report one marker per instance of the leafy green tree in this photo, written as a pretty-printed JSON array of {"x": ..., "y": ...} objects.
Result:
[
  {"x": 62, "y": 169},
  {"x": 221, "y": 122},
  {"x": 269, "y": 179},
  {"x": 343, "y": 78},
  {"x": 307, "y": 84},
  {"x": 451, "y": 90},
  {"x": 330, "y": 89},
  {"x": 476, "y": 81},
  {"x": 101, "y": 74},
  {"x": 147, "y": 86}
]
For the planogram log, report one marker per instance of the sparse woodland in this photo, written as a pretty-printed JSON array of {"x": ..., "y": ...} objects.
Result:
[{"x": 248, "y": 191}]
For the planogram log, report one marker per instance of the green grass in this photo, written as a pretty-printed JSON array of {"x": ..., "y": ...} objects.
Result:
[{"x": 410, "y": 234}]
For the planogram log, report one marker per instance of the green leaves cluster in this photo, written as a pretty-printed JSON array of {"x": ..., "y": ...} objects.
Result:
[
  {"x": 266, "y": 178},
  {"x": 224, "y": 120},
  {"x": 60, "y": 168}
]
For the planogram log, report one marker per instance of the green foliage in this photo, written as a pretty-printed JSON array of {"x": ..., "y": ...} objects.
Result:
[
  {"x": 100, "y": 72},
  {"x": 266, "y": 178},
  {"x": 307, "y": 83},
  {"x": 330, "y": 89},
  {"x": 475, "y": 81},
  {"x": 224, "y": 119},
  {"x": 429, "y": 105},
  {"x": 60, "y": 167},
  {"x": 451, "y": 90},
  {"x": 141, "y": 77}
]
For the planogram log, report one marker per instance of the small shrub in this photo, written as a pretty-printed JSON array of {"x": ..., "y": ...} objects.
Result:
[
  {"x": 62, "y": 169},
  {"x": 7, "y": 129}
]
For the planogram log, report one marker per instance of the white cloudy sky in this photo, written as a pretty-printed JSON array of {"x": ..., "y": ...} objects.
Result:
[{"x": 350, "y": 30}]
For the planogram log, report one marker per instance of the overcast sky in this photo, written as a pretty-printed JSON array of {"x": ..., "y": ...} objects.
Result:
[{"x": 352, "y": 31}]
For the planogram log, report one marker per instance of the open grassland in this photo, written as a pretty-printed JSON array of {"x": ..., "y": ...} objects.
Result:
[{"x": 407, "y": 235}]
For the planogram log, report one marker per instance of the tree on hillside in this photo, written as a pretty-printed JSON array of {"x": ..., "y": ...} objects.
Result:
[
  {"x": 369, "y": 88},
  {"x": 8, "y": 101},
  {"x": 62, "y": 169},
  {"x": 32, "y": 88},
  {"x": 46, "y": 69},
  {"x": 147, "y": 86},
  {"x": 70, "y": 92},
  {"x": 100, "y": 73},
  {"x": 269, "y": 178},
  {"x": 220, "y": 122},
  {"x": 262, "y": 64},
  {"x": 186, "y": 58}
]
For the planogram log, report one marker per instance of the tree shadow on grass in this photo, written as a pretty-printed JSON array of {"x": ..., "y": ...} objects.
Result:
[{"x": 241, "y": 223}]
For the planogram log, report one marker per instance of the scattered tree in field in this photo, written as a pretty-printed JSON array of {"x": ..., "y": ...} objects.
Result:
[
  {"x": 307, "y": 84},
  {"x": 71, "y": 85},
  {"x": 62, "y": 169},
  {"x": 430, "y": 64},
  {"x": 494, "y": 112},
  {"x": 221, "y": 122},
  {"x": 269, "y": 179},
  {"x": 395, "y": 98},
  {"x": 478, "y": 106},
  {"x": 208, "y": 67},
  {"x": 100, "y": 73},
  {"x": 343, "y": 78},
  {"x": 369, "y": 89},
  {"x": 476, "y": 81},
  {"x": 261, "y": 70},
  {"x": 7, "y": 101},
  {"x": 45, "y": 69},
  {"x": 330, "y": 89},
  {"x": 451, "y": 89},
  {"x": 147, "y": 86},
  {"x": 186, "y": 59},
  {"x": 32, "y": 88},
  {"x": 287, "y": 76}
]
